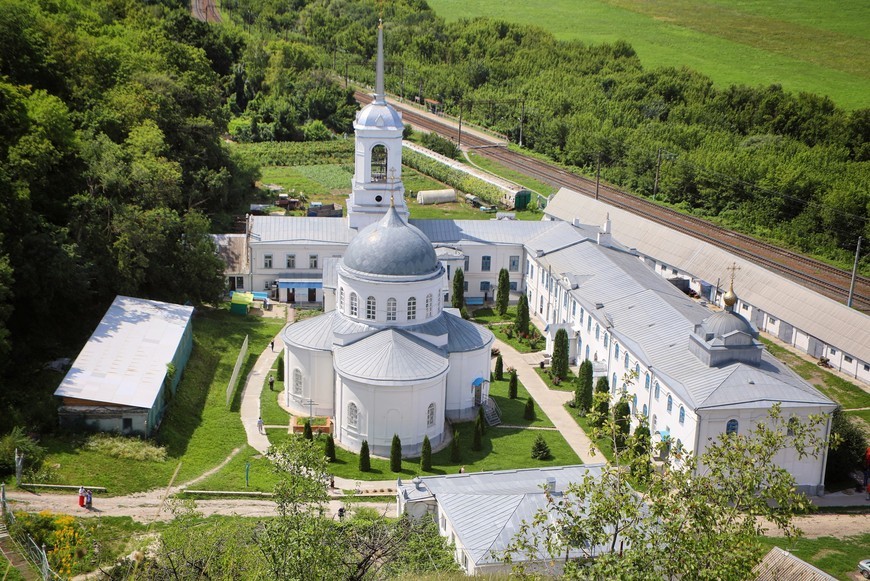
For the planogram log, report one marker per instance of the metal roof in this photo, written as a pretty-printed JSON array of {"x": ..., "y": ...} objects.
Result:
[
  {"x": 313, "y": 333},
  {"x": 312, "y": 230},
  {"x": 391, "y": 247},
  {"x": 559, "y": 236},
  {"x": 486, "y": 509},
  {"x": 124, "y": 361},
  {"x": 823, "y": 318},
  {"x": 482, "y": 231},
  {"x": 778, "y": 564},
  {"x": 464, "y": 335},
  {"x": 390, "y": 356}
]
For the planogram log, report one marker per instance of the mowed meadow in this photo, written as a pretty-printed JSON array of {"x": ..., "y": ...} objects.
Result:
[{"x": 803, "y": 45}]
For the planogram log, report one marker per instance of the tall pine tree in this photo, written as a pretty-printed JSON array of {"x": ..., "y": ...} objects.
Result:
[
  {"x": 396, "y": 454},
  {"x": 499, "y": 367},
  {"x": 522, "y": 321},
  {"x": 426, "y": 455},
  {"x": 601, "y": 401},
  {"x": 504, "y": 292},
  {"x": 559, "y": 368},
  {"x": 584, "y": 386},
  {"x": 458, "y": 299},
  {"x": 365, "y": 463}
]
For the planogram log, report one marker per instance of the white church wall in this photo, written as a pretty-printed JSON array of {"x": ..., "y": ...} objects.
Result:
[
  {"x": 387, "y": 410},
  {"x": 499, "y": 257},
  {"x": 465, "y": 367},
  {"x": 383, "y": 292},
  {"x": 317, "y": 373},
  {"x": 301, "y": 261}
]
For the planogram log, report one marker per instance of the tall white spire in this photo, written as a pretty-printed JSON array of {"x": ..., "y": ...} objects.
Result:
[{"x": 379, "y": 81}]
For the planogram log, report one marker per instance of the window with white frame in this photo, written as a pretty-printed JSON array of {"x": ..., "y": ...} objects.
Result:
[
  {"x": 655, "y": 422},
  {"x": 341, "y": 299},
  {"x": 626, "y": 359},
  {"x": 267, "y": 261},
  {"x": 484, "y": 286},
  {"x": 514, "y": 264},
  {"x": 312, "y": 261},
  {"x": 606, "y": 339},
  {"x": 616, "y": 350},
  {"x": 670, "y": 403},
  {"x": 573, "y": 308},
  {"x": 428, "y": 306},
  {"x": 645, "y": 410},
  {"x": 354, "y": 305},
  {"x": 240, "y": 283},
  {"x": 412, "y": 308},
  {"x": 646, "y": 382},
  {"x": 297, "y": 382},
  {"x": 430, "y": 415},
  {"x": 485, "y": 263},
  {"x": 732, "y": 426},
  {"x": 291, "y": 261},
  {"x": 589, "y": 325},
  {"x": 379, "y": 163},
  {"x": 466, "y": 263},
  {"x": 637, "y": 369},
  {"x": 512, "y": 285},
  {"x": 391, "y": 309},
  {"x": 657, "y": 390},
  {"x": 682, "y": 415},
  {"x": 371, "y": 306},
  {"x": 352, "y": 415}
]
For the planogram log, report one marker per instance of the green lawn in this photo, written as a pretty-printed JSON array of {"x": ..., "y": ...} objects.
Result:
[
  {"x": 803, "y": 45},
  {"x": 261, "y": 476},
  {"x": 512, "y": 175},
  {"x": 837, "y": 557},
  {"x": 8, "y": 572},
  {"x": 487, "y": 315},
  {"x": 270, "y": 411},
  {"x": 521, "y": 345},
  {"x": 567, "y": 384},
  {"x": 603, "y": 445},
  {"x": 512, "y": 409},
  {"x": 199, "y": 432}
]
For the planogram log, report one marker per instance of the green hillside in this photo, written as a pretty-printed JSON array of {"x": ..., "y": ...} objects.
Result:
[{"x": 804, "y": 45}]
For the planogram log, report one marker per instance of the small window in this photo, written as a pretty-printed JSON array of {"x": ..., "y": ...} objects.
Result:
[
  {"x": 514, "y": 264},
  {"x": 297, "y": 382},
  {"x": 391, "y": 309},
  {"x": 126, "y": 425},
  {"x": 637, "y": 369},
  {"x": 847, "y": 358},
  {"x": 597, "y": 331},
  {"x": 589, "y": 325},
  {"x": 312, "y": 261},
  {"x": 466, "y": 263},
  {"x": 657, "y": 390},
  {"x": 428, "y": 306},
  {"x": 430, "y": 415},
  {"x": 371, "y": 306},
  {"x": 614, "y": 383},
  {"x": 673, "y": 271},
  {"x": 267, "y": 261},
  {"x": 646, "y": 382},
  {"x": 513, "y": 286},
  {"x": 744, "y": 306},
  {"x": 606, "y": 338},
  {"x": 485, "y": 263},
  {"x": 645, "y": 411},
  {"x": 682, "y": 415},
  {"x": 582, "y": 314},
  {"x": 626, "y": 359},
  {"x": 573, "y": 308},
  {"x": 634, "y": 404},
  {"x": 412, "y": 308},
  {"x": 833, "y": 351},
  {"x": 541, "y": 305},
  {"x": 352, "y": 415},
  {"x": 867, "y": 367},
  {"x": 616, "y": 350},
  {"x": 291, "y": 261},
  {"x": 465, "y": 285},
  {"x": 484, "y": 286},
  {"x": 240, "y": 283},
  {"x": 772, "y": 320},
  {"x": 731, "y": 427},
  {"x": 793, "y": 424},
  {"x": 670, "y": 403},
  {"x": 341, "y": 299},
  {"x": 655, "y": 422},
  {"x": 354, "y": 305}
]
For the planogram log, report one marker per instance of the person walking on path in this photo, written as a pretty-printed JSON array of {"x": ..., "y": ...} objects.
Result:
[
  {"x": 89, "y": 499},
  {"x": 81, "y": 496},
  {"x": 260, "y": 425},
  {"x": 272, "y": 345},
  {"x": 271, "y": 383}
]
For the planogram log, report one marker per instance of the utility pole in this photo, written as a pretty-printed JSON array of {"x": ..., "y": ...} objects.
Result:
[
  {"x": 854, "y": 273},
  {"x": 597, "y": 174},
  {"x": 522, "y": 118},
  {"x": 459, "y": 138},
  {"x": 403, "y": 81},
  {"x": 345, "y": 75},
  {"x": 658, "y": 167}
]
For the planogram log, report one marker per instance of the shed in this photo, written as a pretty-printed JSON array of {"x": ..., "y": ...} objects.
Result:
[
  {"x": 522, "y": 199},
  {"x": 241, "y": 302},
  {"x": 425, "y": 197},
  {"x": 129, "y": 369}
]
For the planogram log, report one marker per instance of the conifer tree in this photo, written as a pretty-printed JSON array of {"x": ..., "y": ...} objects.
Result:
[
  {"x": 622, "y": 415},
  {"x": 504, "y": 292},
  {"x": 529, "y": 411},
  {"x": 584, "y": 386},
  {"x": 330, "y": 448},
  {"x": 481, "y": 419},
  {"x": 455, "y": 452},
  {"x": 281, "y": 367},
  {"x": 540, "y": 449},
  {"x": 601, "y": 402},
  {"x": 426, "y": 455},
  {"x": 559, "y": 368},
  {"x": 458, "y": 298},
  {"x": 306, "y": 431},
  {"x": 396, "y": 454},
  {"x": 365, "y": 463},
  {"x": 477, "y": 442},
  {"x": 499, "y": 367},
  {"x": 512, "y": 386},
  {"x": 522, "y": 321}
]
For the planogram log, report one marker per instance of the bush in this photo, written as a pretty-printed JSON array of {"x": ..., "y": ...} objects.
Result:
[
  {"x": 540, "y": 449},
  {"x": 601, "y": 401},
  {"x": 396, "y": 454},
  {"x": 848, "y": 456},
  {"x": 521, "y": 323},
  {"x": 126, "y": 447},
  {"x": 529, "y": 411},
  {"x": 330, "y": 448},
  {"x": 315, "y": 130},
  {"x": 455, "y": 451},
  {"x": 426, "y": 455},
  {"x": 560, "y": 355},
  {"x": 499, "y": 367},
  {"x": 440, "y": 145},
  {"x": 34, "y": 454},
  {"x": 306, "y": 431},
  {"x": 477, "y": 442},
  {"x": 622, "y": 415},
  {"x": 512, "y": 386},
  {"x": 584, "y": 386},
  {"x": 281, "y": 367},
  {"x": 365, "y": 462}
]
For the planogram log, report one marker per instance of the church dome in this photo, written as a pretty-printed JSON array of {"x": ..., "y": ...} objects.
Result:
[
  {"x": 391, "y": 247},
  {"x": 378, "y": 115},
  {"x": 725, "y": 322}
]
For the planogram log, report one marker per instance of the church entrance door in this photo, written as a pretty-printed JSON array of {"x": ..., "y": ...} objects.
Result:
[{"x": 478, "y": 394}]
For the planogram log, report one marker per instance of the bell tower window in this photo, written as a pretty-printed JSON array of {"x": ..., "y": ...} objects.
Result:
[{"x": 379, "y": 163}]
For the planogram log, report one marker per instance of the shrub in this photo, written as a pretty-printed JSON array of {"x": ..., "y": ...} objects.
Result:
[
  {"x": 455, "y": 451},
  {"x": 396, "y": 454},
  {"x": 481, "y": 419},
  {"x": 512, "y": 386},
  {"x": 560, "y": 355},
  {"x": 306, "y": 431},
  {"x": 34, "y": 454},
  {"x": 125, "y": 447},
  {"x": 499, "y": 367},
  {"x": 849, "y": 454},
  {"x": 365, "y": 462},
  {"x": 426, "y": 455},
  {"x": 281, "y": 367},
  {"x": 621, "y": 415},
  {"x": 457, "y": 301},
  {"x": 584, "y": 386},
  {"x": 452, "y": 177},
  {"x": 477, "y": 442},
  {"x": 601, "y": 401},
  {"x": 521, "y": 323},
  {"x": 540, "y": 449},
  {"x": 529, "y": 411},
  {"x": 330, "y": 448},
  {"x": 504, "y": 291},
  {"x": 440, "y": 145}
]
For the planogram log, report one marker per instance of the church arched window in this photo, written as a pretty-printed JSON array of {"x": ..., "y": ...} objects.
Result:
[
  {"x": 645, "y": 411},
  {"x": 634, "y": 404},
  {"x": 732, "y": 426},
  {"x": 354, "y": 305},
  {"x": 597, "y": 330},
  {"x": 341, "y": 299},
  {"x": 626, "y": 359},
  {"x": 637, "y": 369},
  {"x": 297, "y": 382},
  {"x": 412, "y": 308},
  {"x": 658, "y": 390},
  {"x": 646, "y": 382},
  {"x": 428, "y": 306},
  {"x": 430, "y": 415},
  {"x": 379, "y": 163},
  {"x": 682, "y": 415},
  {"x": 670, "y": 403},
  {"x": 655, "y": 422},
  {"x": 371, "y": 306},
  {"x": 352, "y": 415},
  {"x": 391, "y": 309},
  {"x": 616, "y": 350},
  {"x": 613, "y": 389}
]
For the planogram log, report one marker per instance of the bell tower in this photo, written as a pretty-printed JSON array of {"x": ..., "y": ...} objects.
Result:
[{"x": 377, "y": 176}]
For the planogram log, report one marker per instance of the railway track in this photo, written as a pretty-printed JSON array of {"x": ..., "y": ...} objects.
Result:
[
  {"x": 818, "y": 276},
  {"x": 205, "y": 10}
]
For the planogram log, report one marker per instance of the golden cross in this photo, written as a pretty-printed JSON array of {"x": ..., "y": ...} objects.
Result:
[{"x": 733, "y": 268}]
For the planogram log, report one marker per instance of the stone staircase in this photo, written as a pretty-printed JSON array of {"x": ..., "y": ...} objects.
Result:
[
  {"x": 491, "y": 412},
  {"x": 9, "y": 550}
]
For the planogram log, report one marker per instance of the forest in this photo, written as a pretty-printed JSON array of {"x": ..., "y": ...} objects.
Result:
[{"x": 115, "y": 117}]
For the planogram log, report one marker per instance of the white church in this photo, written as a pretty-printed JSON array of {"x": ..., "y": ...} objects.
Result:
[{"x": 388, "y": 358}]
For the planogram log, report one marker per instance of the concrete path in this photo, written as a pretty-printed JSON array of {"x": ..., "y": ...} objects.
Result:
[{"x": 550, "y": 401}]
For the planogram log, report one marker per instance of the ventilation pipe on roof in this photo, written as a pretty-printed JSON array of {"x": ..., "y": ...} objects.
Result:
[
  {"x": 551, "y": 484},
  {"x": 604, "y": 233},
  {"x": 576, "y": 222}
]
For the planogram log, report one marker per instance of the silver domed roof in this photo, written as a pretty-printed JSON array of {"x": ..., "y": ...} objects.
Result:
[
  {"x": 378, "y": 115},
  {"x": 727, "y": 321},
  {"x": 391, "y": 247}
]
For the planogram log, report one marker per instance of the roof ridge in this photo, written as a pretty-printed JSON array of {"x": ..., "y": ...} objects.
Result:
[{"x": 520, "y": 499}]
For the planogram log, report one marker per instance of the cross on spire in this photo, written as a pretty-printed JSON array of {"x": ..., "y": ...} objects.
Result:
[
  {"x": 392, "y": 187},
  {"x": 733, "y": 268}
]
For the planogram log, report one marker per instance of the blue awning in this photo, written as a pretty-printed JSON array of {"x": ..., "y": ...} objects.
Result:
[
  {"x": 478, "y": 382},
  {"x": 300, "y": 283},
  {"x": 665, "y": 434}
]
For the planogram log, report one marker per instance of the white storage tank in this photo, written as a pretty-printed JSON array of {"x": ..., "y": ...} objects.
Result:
[{"x": 425, "y": 197}]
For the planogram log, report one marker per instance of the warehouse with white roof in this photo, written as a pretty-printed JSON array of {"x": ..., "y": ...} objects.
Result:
[{"x": 129, "y": 369}]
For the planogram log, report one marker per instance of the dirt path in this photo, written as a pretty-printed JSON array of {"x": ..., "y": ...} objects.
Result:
[{"x": 829, "y": 525}]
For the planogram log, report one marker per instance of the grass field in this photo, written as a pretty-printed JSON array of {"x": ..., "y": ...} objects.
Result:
[{"x": 804, "y": 45}]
